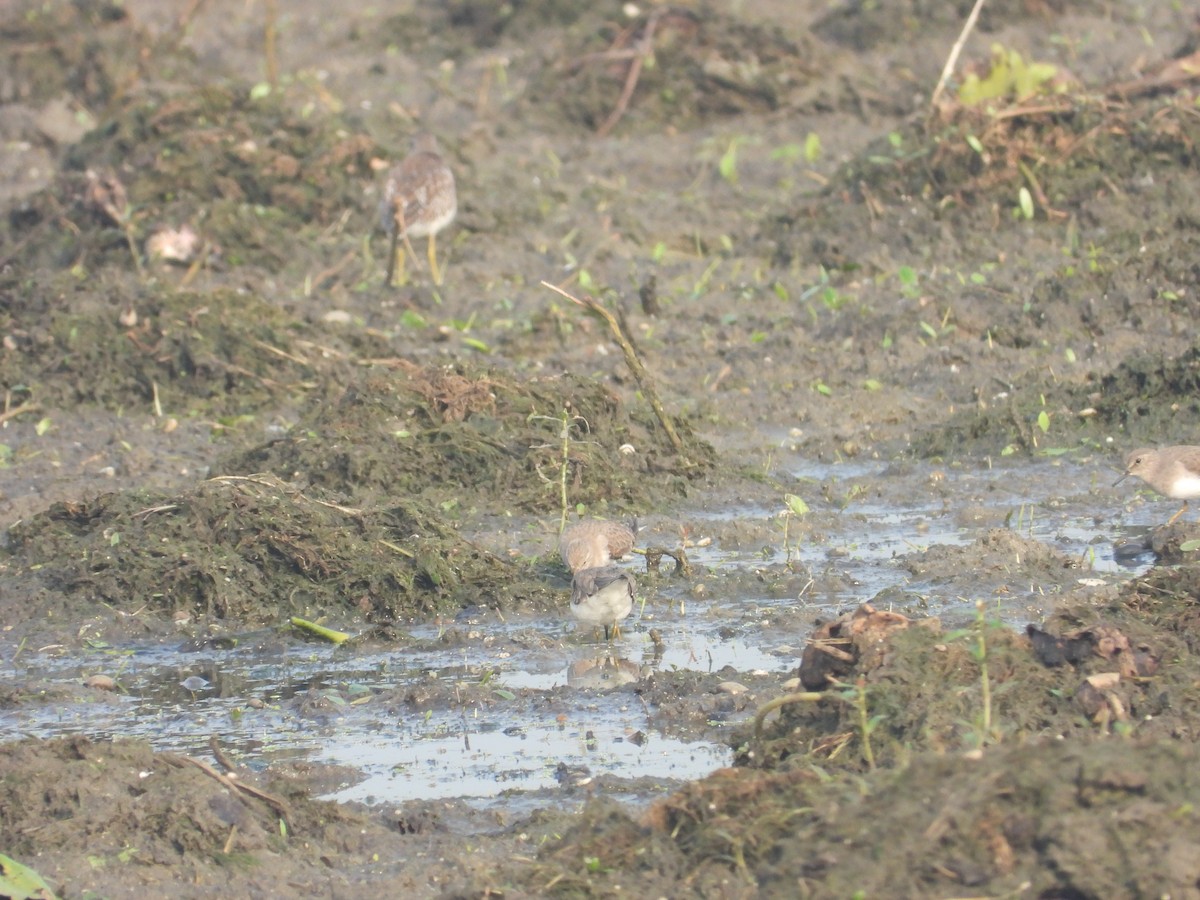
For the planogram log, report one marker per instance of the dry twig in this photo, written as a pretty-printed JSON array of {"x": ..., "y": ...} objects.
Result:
[
  {"x": 645, "y": 47},
  {"x": 633, "y": 361}
]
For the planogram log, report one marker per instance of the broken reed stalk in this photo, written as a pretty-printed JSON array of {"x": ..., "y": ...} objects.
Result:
[
  {"x": 955, "y": 51},
  {"x": 565, "y": 434},
  {"x": 645, "y": 48},
  {"x": 632, "y": 360}
]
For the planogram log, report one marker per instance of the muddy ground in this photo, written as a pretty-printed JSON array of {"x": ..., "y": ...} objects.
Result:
[{"x": 817, "y": 264}]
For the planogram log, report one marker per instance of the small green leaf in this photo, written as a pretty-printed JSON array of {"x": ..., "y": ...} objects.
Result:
[
  {"x": 410, "y": 318},
  {"x": 728, "y": 164},
  {"x": 974, "y": 144},
  {"x": 1025, "y": 199},
  {"x": 812, "y": 147},
  {"x": 1189, "y": 546},
  {"x": 20, "y": 881},
  {"x": 872, "y": 385},
  {"x": 476, "y": 344},
  {"x": 504, "y": 694},
  {"x": 43, "y": 426},
  {"x": 1043, "y": 421},
  {"x": 795, "y": 504},
  {"x": 260, "y": 90},
  {"x": 660, "y": 250}
]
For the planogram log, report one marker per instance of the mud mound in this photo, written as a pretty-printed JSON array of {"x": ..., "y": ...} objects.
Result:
[
  {"x": 1153, "y": 398},
  {"x": 993, "y": 561},
  {"x": 1149, "y": 397},
  {"x": 1036, "y": 817},
  {"x": 252, "y": 178},
  {"x": 462, "y": 24},
  {"x": 83, "y": 812},
  {"x": 863, "y": 26},
  {"x": 706, "y": 66},
  {"x": 474, "y": 437},
  {"x": 953, "y": 691},
  {"x": 221, "y": 353},
  {"x": 56, "y": 48},
  {"x": 255, "y": 550}
]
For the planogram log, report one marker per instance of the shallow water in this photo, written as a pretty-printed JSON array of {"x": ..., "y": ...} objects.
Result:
[{"x": 553, "y": 714}]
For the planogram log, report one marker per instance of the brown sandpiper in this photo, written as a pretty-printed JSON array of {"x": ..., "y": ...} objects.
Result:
[
  {"x": 419, "y": 200},
  {"x": 603, "y": 595},
  {"x": 1172, "y": 471},
  {"x": 594, "y": 543}
]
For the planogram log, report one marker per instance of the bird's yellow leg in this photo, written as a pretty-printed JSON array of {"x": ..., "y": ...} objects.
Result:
[
  {"x": 1182, "y": 510},
  {"x": 433, "y": 266}
]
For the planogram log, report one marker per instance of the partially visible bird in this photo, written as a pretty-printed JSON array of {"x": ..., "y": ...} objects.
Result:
[
  {"x": 419, "y": 200},
  {"x": 594, "y": 543},
  {"x": 1172, "y": 471},
  {"x": 603, "y": 595}
]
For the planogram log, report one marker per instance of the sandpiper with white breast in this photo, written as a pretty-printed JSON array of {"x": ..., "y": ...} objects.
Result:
[
  {"x": 603, "y": 595},
  {"x": 1172, "y": 471}
]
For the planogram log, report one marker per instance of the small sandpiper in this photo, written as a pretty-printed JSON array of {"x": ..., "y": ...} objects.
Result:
[
  {"x": 419, "y": 200},
  {"x": 603, "y": 595},
  {"x": 594, "y": 543},
  {"x": 1172, "y": 471}
]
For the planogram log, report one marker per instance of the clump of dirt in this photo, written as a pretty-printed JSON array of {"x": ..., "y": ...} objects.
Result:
[
  {"x": 481, "y": 437},
  {"x": 221, "y": 353},
  {"x": 254, "y": 550}
]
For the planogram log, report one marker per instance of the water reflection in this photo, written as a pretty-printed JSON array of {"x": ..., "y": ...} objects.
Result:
[{"x": 604, "y": 673}]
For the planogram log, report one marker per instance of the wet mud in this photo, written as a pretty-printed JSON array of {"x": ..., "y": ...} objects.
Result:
[{"x": 898, "y": 632}]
